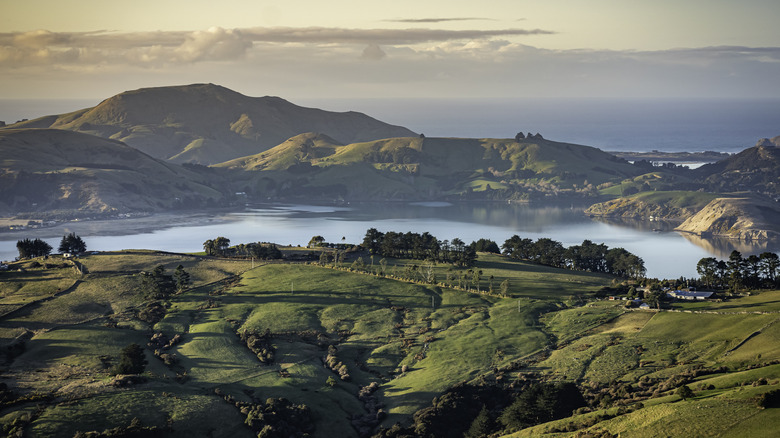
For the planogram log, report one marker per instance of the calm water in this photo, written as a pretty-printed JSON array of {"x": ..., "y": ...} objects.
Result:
[{"x": 666, "y": 254}]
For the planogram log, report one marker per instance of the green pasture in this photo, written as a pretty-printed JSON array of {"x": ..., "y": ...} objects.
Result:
[{"x": 414, "y": 339}]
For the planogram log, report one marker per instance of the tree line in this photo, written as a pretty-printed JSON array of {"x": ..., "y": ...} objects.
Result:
[
  {"x": 738, "y": 272},
  {"x": 221, "y": 247},
  {"x": 30, "y": 248},
  {"x": 587, "y": 256},
  {"x": 419, "y": 247}
]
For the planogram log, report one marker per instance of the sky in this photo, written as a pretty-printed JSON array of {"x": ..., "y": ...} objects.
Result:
[{"x": 295, "y": 49}]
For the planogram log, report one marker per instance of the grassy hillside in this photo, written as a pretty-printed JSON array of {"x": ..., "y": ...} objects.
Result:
[
  {"x": 414, "y": 340},
  {"x": 49, "y": 170},
  {"x": 726, "y": 356},
  {"x": 668, "y": 205},
  {"x": 207, "y": 124},
  {"x": 426, "y": 168},
  {"x": 409, "y": 341}
]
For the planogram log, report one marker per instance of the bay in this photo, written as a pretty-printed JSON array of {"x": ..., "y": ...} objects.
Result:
[{"x": 667, "y": 254}]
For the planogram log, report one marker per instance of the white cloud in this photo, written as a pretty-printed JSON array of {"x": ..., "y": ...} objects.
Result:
[{"x": 415, "y": 62}]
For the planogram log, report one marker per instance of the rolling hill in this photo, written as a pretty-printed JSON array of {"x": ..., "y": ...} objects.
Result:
[
  {"x": 363, "y": 352},
  {"x": 428, "y": 168},
  {"x": 208, "y": 124},
  {"x": 45, "y": 170},
  {"x": 755, "y": 169}
]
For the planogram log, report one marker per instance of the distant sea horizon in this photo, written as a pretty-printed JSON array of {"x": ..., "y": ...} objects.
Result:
[{"x": 679, "y": 125}]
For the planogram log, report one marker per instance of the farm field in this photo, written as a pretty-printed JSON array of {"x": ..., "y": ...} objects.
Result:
[{"x": 355, "y": 353}]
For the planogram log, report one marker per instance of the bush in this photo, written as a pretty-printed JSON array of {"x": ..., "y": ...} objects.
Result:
[
  {"x": 769, "y": 399},
  {"x": 132, "y": 360}
]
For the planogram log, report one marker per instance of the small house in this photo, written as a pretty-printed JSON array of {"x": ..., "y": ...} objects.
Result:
[
  {"x": 644, "y": 306},
  {"x": 689, "y": 295}
]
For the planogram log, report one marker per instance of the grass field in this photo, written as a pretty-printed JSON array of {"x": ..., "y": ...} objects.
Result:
[{"x": 414, "y": 340}]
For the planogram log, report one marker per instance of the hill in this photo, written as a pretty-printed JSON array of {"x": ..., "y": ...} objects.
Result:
[
  {"x": 755, "y": 169},
  {"x": 330, "y": 351},
  {"x": 428, "y": 168},
  {"x": 662, "y": 205},
  {"x": 207, "y": 123},
  {"x": 46, "y": 170},
  {"x": 741, "y": 218},
  {"x": 774, "y": 141}
]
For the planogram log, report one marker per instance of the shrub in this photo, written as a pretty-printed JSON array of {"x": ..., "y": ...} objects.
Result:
[{"x": 132, "y": 360}]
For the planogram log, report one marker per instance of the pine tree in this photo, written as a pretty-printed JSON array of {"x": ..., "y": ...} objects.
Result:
[
  {"x": 182, "y": 278},
  {"x": 72, "y": 243}
]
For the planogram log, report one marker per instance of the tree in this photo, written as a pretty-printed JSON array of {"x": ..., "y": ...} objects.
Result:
[
  {"x": 504, "y": 287},
  {"x": 372, "y": 241},
  {"x": 481, "y": 426},
  {"x": 685, "y": 392},
  {"x": 770, "y": 263},
  {"x": 157, "y": 284},
  {"x": 72, "y": 243},
  {"x": 32, "y": 248},
  {"x": 316, "y": 241},
  {"x": 486, "y": 245},
  {"x": 132, "y": 360},
  {"x": 182, "y": 278},
  {"x": 736, "y": 266},
  {"x": 707, "y": 269},
  {"x": 216, "y": 247}
]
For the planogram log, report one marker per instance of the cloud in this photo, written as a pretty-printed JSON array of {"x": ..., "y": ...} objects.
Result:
[
  {"x": 318, "y": 61},
  {"x": 373, "y": 53},
  {"x": 215, "y": 44},
  {"x": 437, "y": 20}
]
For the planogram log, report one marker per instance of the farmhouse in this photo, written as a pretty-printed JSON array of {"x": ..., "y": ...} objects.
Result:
[{"x": 689, "y": 295}]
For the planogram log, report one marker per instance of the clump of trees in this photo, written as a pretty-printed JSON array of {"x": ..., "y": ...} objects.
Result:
[
  {"x": 260, "y": 344},
  {"x": 334, "y": 364},
  {"x": 588, "y": 256},
  {"x": 277, "y": 417},
  {"x": 216, "y": 247},
  {"x": 132, "y": 360},
  {"x": 72, "y": 243},
  {"x": 157, "y": 285},
  {"x": 738, "y": 272},
  {"x": 221, "y": 247},
  {"x": 419, "y": 247},
  {"x": 32, "y": 248}
]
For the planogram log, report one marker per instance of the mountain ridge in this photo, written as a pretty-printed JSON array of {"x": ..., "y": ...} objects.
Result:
[{"x": 209, "y": 124}]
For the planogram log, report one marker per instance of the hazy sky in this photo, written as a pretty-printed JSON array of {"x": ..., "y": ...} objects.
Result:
[{"x": 420, "y": 48}]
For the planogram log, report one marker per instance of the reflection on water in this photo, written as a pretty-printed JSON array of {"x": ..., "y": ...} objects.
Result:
[
  {"x": 721, "y": 248},
  {"x": 667, "y": 254}
]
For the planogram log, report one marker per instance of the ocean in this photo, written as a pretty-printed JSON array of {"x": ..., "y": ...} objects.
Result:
[{"x": 612, "y": 125}]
